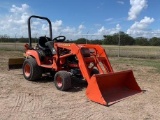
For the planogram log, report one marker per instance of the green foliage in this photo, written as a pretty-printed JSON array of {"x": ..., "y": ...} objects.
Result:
[
  {"x": 86, "y": 41},
  {"x": 154, "y": 41},
  {"x": 121, "y": 37},
  {"x": 126, "y": 39},
  {"x": 81, "y": 41},
  {"x": 115, "y": 39},
  {"x": 110, "y": 40},
  {"x": 141, "y": 41}
]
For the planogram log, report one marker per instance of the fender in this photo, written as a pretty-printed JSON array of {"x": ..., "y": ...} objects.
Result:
[{"x": 34, "y": 54}]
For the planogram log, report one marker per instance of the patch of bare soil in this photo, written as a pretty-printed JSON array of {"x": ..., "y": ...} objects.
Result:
[{"x": 22, "y": 99}]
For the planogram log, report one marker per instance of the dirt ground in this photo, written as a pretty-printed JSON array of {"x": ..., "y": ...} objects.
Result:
[{"x": 24, "y": 100}]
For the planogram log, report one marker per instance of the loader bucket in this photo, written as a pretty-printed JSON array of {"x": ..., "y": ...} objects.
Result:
[
  {"x": 15, "y": 63},
  {"x": 110, "y": 88}
]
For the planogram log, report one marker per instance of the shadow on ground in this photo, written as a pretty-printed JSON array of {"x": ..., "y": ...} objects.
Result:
[{"x": 77, "y": 84}]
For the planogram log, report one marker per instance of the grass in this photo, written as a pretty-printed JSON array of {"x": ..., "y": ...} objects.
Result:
[
  {"x": 139, "y": 62},
  {"x": 148, "y": 52},
  {"x": 11, "y": 46},
  {"x": 147, "y": 55},
  {"x": 10, "y": 54}
]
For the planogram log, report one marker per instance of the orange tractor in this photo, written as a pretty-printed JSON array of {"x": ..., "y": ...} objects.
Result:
[{"x": 86, "y": 61}]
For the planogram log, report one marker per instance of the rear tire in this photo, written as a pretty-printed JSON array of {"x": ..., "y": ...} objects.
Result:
[
  {"x": 62, "y": 80},
  {"x": 31, "y": 70}
]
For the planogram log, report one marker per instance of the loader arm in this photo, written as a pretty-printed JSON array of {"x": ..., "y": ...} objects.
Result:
[{"x": 95, "y": 54}]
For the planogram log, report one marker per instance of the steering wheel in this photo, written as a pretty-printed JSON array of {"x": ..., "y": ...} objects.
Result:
[{"x": 60, "y": 39}]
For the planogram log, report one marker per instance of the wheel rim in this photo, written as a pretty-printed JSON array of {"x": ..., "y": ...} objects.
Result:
[
  {"x": 59, "y": 81},
  {"x": 27, "y": 70}
]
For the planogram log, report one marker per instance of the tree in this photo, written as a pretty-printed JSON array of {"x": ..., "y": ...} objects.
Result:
[
  {"x": 125, "y": 39},
  {"x": 81, "y": 41},
  {"x": 4, "y": 38},
  {"x": 141, "y": 41},
  {"x": 95, "y": 42},
  {"x": 109, "y": 40},
  {"x": 154, "y": 41}
]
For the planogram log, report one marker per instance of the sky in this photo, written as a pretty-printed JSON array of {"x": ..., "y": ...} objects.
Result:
[{"x": 81, "y": 18}]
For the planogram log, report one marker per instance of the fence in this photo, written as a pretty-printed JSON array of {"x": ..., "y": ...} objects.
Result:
[{"x": 148, "y": 52}]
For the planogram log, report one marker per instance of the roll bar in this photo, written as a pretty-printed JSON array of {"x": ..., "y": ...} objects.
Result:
[{"x": 29, "y": 27}]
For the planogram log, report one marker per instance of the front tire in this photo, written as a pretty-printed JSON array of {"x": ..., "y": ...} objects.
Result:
[
  {"x": 31, "y": 70},
  {"x": 62, "y": 80}
]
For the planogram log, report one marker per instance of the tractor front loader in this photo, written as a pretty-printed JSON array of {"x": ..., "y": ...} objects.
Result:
[{"x": 86, "y": 61}]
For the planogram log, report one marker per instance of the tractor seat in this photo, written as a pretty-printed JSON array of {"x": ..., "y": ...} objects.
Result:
[
  {"x": 42, "y": 40},
  {"x": 46, "y": 43}
]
